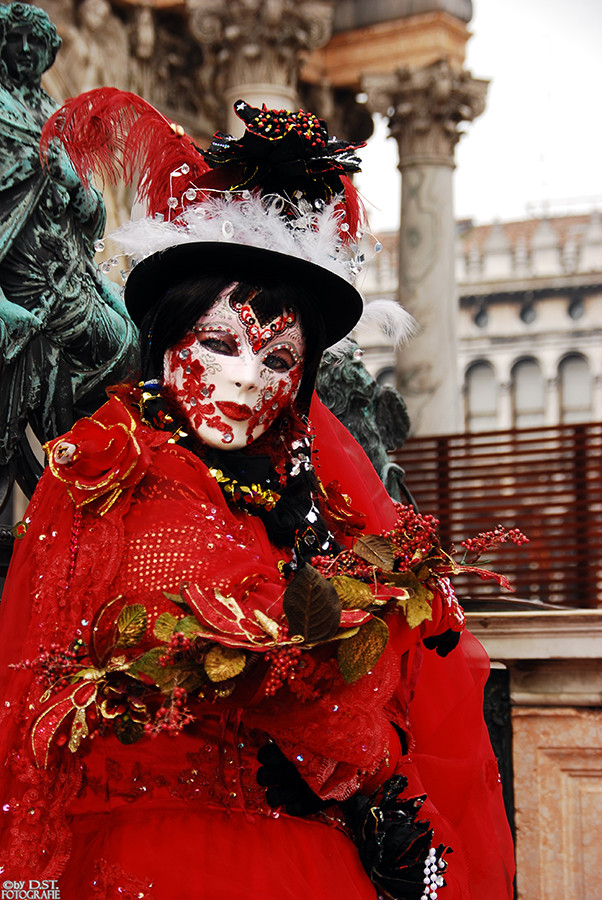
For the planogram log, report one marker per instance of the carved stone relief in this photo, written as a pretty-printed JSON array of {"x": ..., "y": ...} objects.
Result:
[
  {"x": 425, "y": 108},
  {"x": 253, "y": 42}
]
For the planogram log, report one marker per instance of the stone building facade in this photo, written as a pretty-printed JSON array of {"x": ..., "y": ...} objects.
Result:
[{"x": 529, "y": 319}]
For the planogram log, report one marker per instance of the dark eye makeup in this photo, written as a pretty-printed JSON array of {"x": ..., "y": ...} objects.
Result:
[
  {"x": 225, "y": 343},
  {"x": 220, "y": 342},
  {"x": 280, "y": 360}
]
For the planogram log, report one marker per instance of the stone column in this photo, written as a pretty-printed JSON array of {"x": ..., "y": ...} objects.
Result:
[
  {"x": 425, "y": 107},
  {"x": 253, "y": 50},
  {"x": 504, "y": 418},
  {"x": 597, "y": 397}
]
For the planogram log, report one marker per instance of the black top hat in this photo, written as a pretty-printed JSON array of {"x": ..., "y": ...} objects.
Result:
[{"x": 332, "y": 298}]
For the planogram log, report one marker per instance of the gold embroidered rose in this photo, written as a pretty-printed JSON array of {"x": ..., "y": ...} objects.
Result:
[{"x": 100, "y": 457}]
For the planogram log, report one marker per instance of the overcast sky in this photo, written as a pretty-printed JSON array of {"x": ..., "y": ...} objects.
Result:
[{"x": 539, "y": 140}]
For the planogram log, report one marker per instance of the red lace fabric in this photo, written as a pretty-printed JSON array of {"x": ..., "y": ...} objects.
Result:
[{"x": 93, "y": 817}]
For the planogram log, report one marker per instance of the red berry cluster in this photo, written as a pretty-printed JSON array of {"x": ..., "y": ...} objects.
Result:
[
  {"x": 488, "y": 540},
  {"x": 345, "y": 563},
  {"x": 53, "y": 667},
  {"x": 179, "y": 648},
  {"x": 172, "y": 717},
  {"x": 283, "y": 664},
  {"x": 414, "y": 536}
]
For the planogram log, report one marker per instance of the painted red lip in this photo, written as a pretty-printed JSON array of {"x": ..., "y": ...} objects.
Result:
[{"x": 236, "y": 411}]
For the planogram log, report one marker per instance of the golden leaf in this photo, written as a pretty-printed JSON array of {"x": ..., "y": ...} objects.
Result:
[
  {"x": 79, "y": 729},
  {"x": 165, "y": 627},
  {"x": 345, "y": 633},
  {"x": 360, "y": 653},
  {"x": 222, "y": 663},
  {"x": 86, "y": 675},
  {"x": 131, "y": 625},
  {"x": 423, "y": 572},
  {"x": 417, "y": 606},
  {"x": 402, "y": 579},
  {"x": 354, "y": 594},
  {"x": 376, "y": 550}
]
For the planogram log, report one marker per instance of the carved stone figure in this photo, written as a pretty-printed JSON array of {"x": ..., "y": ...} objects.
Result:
[
  {"x": 143, "y": 42},
  {"x": 375, "y": 415},
  {"x": 64, "y": 332},
  {"x": 96, "y": 48}
]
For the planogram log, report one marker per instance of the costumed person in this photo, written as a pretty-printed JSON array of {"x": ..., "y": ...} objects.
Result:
[
  {"x": 64, "y": 331},
  {"x": 230, "y": 661}
]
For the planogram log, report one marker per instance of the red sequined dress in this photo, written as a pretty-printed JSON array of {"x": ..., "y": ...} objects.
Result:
[{"x": 110, "y": 810}]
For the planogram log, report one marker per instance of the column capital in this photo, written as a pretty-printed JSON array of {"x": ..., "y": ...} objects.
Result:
[
  {"x": 257, "y": 42},
  {"x": 425, "y": 108}
]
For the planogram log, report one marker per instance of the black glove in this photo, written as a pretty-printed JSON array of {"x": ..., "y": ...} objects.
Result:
[
  {"x": 285, "y": 786},
  {"x": 393, "y": 844},
  {"x": 443, "y": 643}
]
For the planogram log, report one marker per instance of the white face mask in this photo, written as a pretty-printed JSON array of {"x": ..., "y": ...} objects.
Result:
[{"x": 233, "y": 374}]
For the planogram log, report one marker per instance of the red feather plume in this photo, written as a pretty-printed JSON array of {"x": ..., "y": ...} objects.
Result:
[
  {"x": 355, "y": 211},
  {"x": 118, "y": 135}
]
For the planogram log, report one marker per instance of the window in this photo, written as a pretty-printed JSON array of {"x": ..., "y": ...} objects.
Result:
[
  {"x": 527, "y": 394},
  {"x": 575, "y": 388},
  {"x": 481, "y": 397}
]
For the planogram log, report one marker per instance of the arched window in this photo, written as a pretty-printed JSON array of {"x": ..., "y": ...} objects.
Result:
[
  {"x": 527, "y": 394},
  {"x": 575, "y": 386},
  {"x": 481, "y": 397}
]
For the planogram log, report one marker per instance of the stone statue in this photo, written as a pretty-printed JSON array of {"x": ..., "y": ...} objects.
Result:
[
  {"x": 64, "y": 332},
  {"x": 375, "y": 415},
  {"x": 96, "y": 48}
]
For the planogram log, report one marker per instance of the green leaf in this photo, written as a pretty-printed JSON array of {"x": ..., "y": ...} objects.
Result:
[
  {"x": 178, "y": 600},
  {"x": 312, "y": 606},
  {"x": 188, "y": 626},
  {"x": 131, "y": 625},
  {"x": 189, "y": 676},
  {"x": 358, "y": 655},
  {"x": 148, "y": 664}
]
